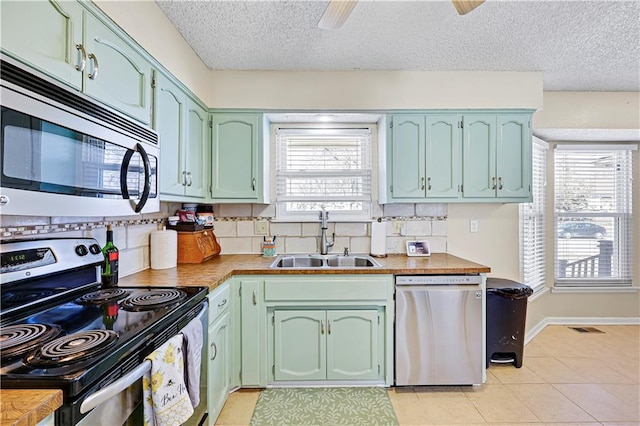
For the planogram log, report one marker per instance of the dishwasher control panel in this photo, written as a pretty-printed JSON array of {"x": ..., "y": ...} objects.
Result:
[{"x": 438, "y": 280}]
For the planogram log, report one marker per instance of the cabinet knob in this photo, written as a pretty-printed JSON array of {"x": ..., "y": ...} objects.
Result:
[
  {"x": 422, "y": 181},
  {"x": 429, "y": 184},
  {"x": 83, "y": 57},
  {"x": 493, "y": 182},
  {"x": 499, "y": 183},
  {"x": 189, "y": 180}
]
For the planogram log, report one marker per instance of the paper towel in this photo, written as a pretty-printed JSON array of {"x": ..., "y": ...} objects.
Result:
[
  {"x": 379, "y": 239},
  {"x": 164, "y": 249}
]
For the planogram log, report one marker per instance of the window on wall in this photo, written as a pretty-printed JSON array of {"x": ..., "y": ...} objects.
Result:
[
  {"x": 532, "y": 222},
  {"x": 328, "y": 168},
  {"x": 593, "y": 198}
]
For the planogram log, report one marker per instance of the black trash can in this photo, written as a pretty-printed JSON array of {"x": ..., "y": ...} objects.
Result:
[{"x": 506, "y": 316}]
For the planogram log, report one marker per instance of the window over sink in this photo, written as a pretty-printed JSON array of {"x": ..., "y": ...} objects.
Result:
[{"x": 323, "y": 168}]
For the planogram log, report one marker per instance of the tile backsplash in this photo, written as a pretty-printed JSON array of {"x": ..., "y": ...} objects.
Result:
[{"x": 235, "y": 230}]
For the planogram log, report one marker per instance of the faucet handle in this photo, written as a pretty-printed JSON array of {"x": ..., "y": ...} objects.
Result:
[{"x": 346, "y": 251}]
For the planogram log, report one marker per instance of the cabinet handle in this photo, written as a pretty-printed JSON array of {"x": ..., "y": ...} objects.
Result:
[
  {"x": 328, "y": 327},
  {"x": 493, "y": 182},
  {"x": 214, "y": 348},
  {"x": 422, "y": 180},
  {"x": 189, "y": 180},
  {"x": 255, "y": 298},
  {"x": 253, "y": 184},
  {"x": 429, "y": 184},
  {"x": 221, "y": 304},
  {"x": 94, "y": 74},
  {"x": 321, "y": 327},
  {"x": 499, "y": 183},
  {"x": 184, "y": 178},
  {"x": 83, "y": 57}
]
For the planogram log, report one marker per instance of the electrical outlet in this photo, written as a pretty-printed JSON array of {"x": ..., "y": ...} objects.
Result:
[
  {"x": 261, "y": 227},
  {"x": 398, "y": 227},
  {"x": 473, "y": 225}
]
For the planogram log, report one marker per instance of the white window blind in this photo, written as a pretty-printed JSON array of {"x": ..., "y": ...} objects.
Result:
[
  {"x": 593, "y": 198},
  {"x": 532, "y": 222},
  {"x": 328, "y": 168}
]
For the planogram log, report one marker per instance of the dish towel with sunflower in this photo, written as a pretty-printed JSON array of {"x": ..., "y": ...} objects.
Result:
[{"x": 165, "y": 398}]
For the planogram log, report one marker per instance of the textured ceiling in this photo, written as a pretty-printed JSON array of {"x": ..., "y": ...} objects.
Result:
[{"x": 579, "y": 45}]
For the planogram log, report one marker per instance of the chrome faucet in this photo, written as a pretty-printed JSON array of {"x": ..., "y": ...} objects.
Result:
[{"x": 325, "y": 245}]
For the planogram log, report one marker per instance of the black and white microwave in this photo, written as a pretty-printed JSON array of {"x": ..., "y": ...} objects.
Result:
[{"x": 62, "y": 154}]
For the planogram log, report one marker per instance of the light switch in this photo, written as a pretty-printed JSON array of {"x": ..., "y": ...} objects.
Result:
[
  {"x": 261, "y": 227},
  {"x": 473, "y": 225}
]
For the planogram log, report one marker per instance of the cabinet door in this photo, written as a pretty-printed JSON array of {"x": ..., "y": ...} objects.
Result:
[
  {"x": 443, "y": 143},
  {"x": 408, "y": 156},
  {"x": 116, "y": 74},
  {"x": 513, "y": 156},
  {"x": 218, "y": 376},
  {"x": 235, "y": 156},
  {"x": 352, "y": 345},
  {"x": 251, "y": 332},
  {"x": 478, "y": 151},
  {"x": 169, "y": 122},
  {"x": 300, "y": 345},
  {"x": 195, "y": 150},
  {"x": 44, "y": 34}
]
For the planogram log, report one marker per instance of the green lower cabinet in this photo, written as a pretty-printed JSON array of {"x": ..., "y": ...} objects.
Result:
[
  {"x": 300, "y": 345},
  {"x": 219, "y": 381},
  {"x": 352, "y": 345},
  {"x": 313, "y": 345},
  {"x": 252, "y": 334}
]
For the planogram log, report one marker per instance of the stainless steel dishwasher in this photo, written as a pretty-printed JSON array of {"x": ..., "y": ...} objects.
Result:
[{"x": 439, "y": 330}]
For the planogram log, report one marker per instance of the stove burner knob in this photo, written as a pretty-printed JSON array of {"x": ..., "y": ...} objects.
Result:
[
  {"x": 95, "y": 249},
  {"x": 81, "y": 250}
]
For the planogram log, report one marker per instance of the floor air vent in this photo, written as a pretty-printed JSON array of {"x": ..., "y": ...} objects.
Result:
[{"x": 586, "y": 329}]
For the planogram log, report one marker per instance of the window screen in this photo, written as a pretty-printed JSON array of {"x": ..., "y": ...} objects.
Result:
[
  {"x": 593, "y": 190},
  {"x": 328, "y": 168},
  {"x": 532, "y": 222}
]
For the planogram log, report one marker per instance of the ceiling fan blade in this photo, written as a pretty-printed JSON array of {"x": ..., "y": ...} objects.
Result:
[
  {"x": 466, "y": 6},
  {"x": 336, "y": 14}
]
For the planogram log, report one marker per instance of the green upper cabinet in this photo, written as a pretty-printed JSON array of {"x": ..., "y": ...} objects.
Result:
[
  {"x": 513, "y": 156},
  {"x": 182, "y": 126},
  {"x": 424, "y": 158},
  {"x": 237, "y": 158},
  {"x": 70, "y": 43},
  {"x": 47, "y": 35},
  {"x": 497, "y": 157},
  {"x": 479, "y": 156},
  {"x": 115, "y": 73},
  {"x": 407, "y": 156}
]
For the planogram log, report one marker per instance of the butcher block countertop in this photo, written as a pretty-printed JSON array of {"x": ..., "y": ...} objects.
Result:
[
  {"x": 28, "y": 407},
  {"x": 216, "y": 270}
]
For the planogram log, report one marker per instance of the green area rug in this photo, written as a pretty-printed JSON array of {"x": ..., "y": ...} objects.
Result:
[{"x": 324, "y": 407}]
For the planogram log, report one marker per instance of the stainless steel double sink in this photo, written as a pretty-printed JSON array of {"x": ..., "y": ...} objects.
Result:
[{"x": 287, "y": 261}]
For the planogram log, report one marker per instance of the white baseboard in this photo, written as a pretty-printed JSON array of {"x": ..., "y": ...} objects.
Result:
[{"x": 578, "y": 321}]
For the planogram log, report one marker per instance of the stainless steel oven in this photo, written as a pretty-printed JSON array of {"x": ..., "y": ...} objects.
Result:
[
  {"x": 60, "y": 330},
  {"x": 62, "y": 154}
]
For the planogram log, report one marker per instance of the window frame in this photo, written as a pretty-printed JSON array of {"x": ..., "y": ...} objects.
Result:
[
  {"x": 623, "y": 221},
  {"x": 283, "y": 215}
]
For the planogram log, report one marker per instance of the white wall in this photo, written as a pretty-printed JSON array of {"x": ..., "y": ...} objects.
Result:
[
  {"x": 145, "y": 22},
  {"x": 374, "y": 90}
]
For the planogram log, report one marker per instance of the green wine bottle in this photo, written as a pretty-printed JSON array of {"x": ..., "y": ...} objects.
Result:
[{"x": 110, "y": 264}]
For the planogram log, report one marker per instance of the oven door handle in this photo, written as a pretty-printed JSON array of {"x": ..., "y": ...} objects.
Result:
[
  {"x": 104, "y": 394},
  {"x": 115, "y": 388}
]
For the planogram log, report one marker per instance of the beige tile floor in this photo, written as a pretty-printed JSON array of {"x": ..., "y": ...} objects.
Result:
[{"x": 567, "y": 378}]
